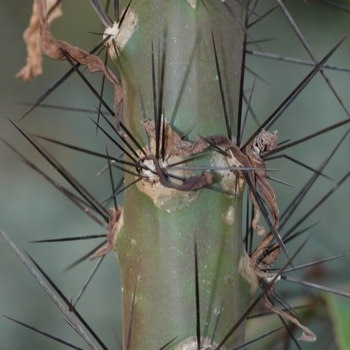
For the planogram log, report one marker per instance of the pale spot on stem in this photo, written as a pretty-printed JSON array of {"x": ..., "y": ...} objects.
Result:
[
  {"x": 193, "y": 3},
  {"x": 119, "y": 35}
]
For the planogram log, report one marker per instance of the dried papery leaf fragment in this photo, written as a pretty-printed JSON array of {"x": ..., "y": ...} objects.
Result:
[
  {"x": 171, "y": 189},
  {"x": 265, "y": 255},
  {"x": 231, "y": 181},
  {"x": 264, "y": 141},
  {"x": 31, "y": 37},
  {"x": 120, "y": 33},
  {"x": 114, "y": 226},
  {"x": 59, "y": 50},
  {"x": 250, "y": 158},
  {"x": 166, "y": 198},
  {"x": 307, "y": 335},
  {"x": 158, "y": 188},
  {"x": 174, "y": 145}
]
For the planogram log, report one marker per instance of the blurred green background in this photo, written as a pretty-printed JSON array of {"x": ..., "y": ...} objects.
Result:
[{"x": 31, "y": 209}]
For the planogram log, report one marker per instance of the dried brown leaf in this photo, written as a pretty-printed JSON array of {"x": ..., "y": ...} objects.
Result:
[
  {"x": 307, "y": 335},
  {"x": 31, "y": 37},
  {"x": 173, "y": 144},
  {"x": 264, "y": 141},
  {"x": 191, "y": 183},
  {"x": 115, "y": 223},
  {"x": 265, "y": 255},
  {"x": 58, "y": 50},
  {"x": 250, "y": 158},
  {"x": 262, "y": 260}
]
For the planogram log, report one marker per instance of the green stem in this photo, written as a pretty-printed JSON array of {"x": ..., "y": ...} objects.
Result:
[{"x": 155, "y": 247}]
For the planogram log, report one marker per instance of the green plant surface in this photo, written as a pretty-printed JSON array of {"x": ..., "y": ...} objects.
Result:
[
  {"x": 155, "y": 247},
  {"x": 340, "y": 315}
]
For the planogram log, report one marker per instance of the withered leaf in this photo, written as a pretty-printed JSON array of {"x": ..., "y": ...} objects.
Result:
[
  {"x": 264, "y": 141},
  {"x": 191, "y": 183},
  {"x": 57, "y": 50},
  {"x": 250, "y": 158},
  {"x": 32, "y": 40},
  {"x": 114, "y": 226},
  {"x": 265, "y": 255},
  {"x": 307, "y": 335},
  {"x": 262, "y": 260},
  {"x": 173, "y": 144}
]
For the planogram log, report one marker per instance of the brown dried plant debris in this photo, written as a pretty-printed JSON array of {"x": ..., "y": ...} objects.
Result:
[
  {"x": 249, "y": 158},
  {"x": 174, "y": 146},
  {"x": 261, "y": 261},
  {"x": 31, "y": 37},
  {"x": 264, "y": 141},
  {"x": 58, "y": 50},
  {"x": 191, "y": 183},
  {"x": 264, "y": 256},
  {"x": 307, "y": 335},
  {"x": 115, "y": 223}
]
